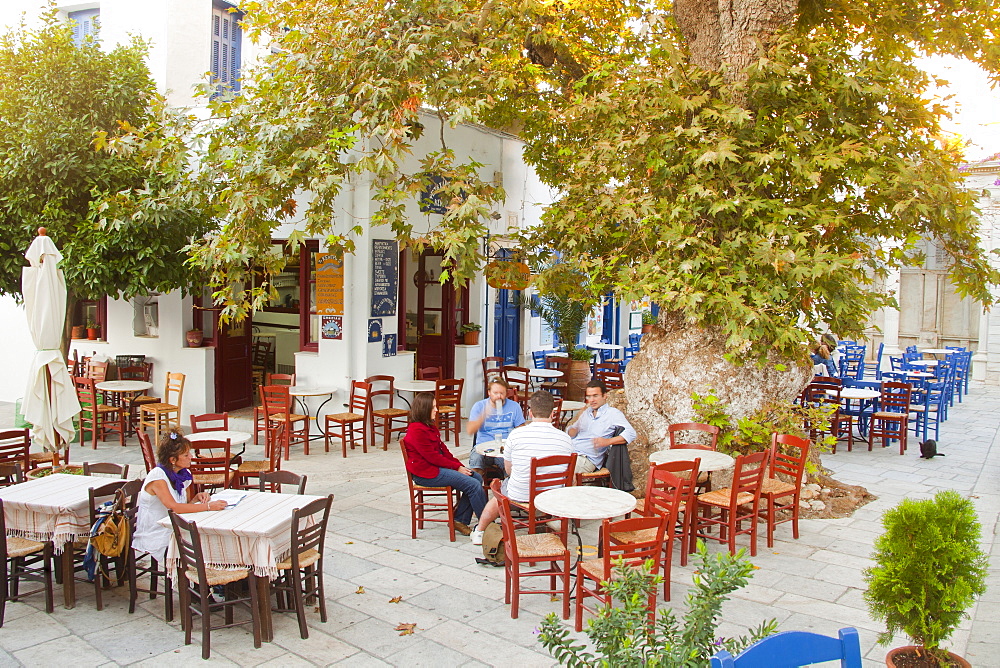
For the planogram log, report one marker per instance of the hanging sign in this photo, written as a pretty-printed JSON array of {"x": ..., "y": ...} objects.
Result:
[
  {"x": 329, "y": 285},
  {"x": 332, "y": 326},
  {"x": 389, "y": 345},
  {"x": 507, "y": 275},
  {"x": 374, "y": 330},
  {"x": 385, "y": 276}
]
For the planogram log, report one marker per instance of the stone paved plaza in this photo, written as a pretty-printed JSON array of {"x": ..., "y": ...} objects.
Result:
[{"x": 813, "y": 583}]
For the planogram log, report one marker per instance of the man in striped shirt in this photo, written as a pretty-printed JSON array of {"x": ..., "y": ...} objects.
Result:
[{"x": 537, "y": 438}]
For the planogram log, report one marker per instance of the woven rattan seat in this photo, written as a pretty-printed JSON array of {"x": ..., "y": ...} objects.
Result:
[
  {"x": 254, "y": 466},
  {"x": 720, "y": 497},
  {"x": 634, "y": 536},
  {"x": 293, "y": 417},
  {"x": 307, "y": 558},
  {"x": 219, "y": 577},
  {"x": 390, "y": 412},
  {"x": 22, "y": 547},
  {"x": 777, "y": 487},
  {"x": 538, "y": 545},
  {"x": 210, "y": 479},
  {"x": 595, "y": 474}
]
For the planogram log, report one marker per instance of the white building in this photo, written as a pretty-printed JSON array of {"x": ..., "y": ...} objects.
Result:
[{"x": 190, "y": 38}]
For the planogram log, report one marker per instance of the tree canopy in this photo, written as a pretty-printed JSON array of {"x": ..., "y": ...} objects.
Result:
[
  {"x": 755, "y": 166},
  {"x": 57, "y": 98}
]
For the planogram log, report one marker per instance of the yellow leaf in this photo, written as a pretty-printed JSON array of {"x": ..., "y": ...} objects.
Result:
[
  {"x": 361, "y": 590},
  {"x": 406, "y": 629},
  {"x": 395, "y": 599}
]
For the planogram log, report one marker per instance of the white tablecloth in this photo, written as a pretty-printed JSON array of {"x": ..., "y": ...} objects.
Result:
[
  {"x": 51, "y": 508},
  {"x": 255, "y": 533}
]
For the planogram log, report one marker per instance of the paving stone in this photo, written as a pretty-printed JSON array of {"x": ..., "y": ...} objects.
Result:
[
  {"x": 423, "y": 653},
  {"x": 30, "y": 630},
  {"x": 73, "y": 648}
]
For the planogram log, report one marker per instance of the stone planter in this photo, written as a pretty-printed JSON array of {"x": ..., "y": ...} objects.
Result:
[{"x": 576, "y": 382}]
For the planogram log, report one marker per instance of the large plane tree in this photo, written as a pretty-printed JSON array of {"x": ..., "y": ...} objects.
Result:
[{"x": 755, "y": 167}]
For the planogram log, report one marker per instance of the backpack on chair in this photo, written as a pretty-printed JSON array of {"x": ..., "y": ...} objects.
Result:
[{"x": 493, "y": 552}]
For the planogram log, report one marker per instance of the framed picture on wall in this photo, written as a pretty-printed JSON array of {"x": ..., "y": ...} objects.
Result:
[{"x": 635, "y": 320}]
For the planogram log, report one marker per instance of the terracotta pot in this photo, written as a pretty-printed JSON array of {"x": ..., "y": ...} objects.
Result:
[
  {"x": 92, "y": 333},
  {"x": 471, "y": 338},
  {"x": 646, "y": 329},
  {"x": 576, "y": 382},
  {"x": 890, "y": 658},
  {"x": 194, "y": 337},
  {"x": 78, "y": 332}
]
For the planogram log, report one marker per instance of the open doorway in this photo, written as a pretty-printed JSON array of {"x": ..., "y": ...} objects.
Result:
[{"x": 435, "y": 312}]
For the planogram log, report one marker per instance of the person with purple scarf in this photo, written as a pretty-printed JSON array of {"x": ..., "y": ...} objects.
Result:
[{"x": 167, "y": 487}]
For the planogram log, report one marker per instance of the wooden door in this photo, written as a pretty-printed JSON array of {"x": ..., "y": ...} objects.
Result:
[
  {"x": 233, "y": 374},
  {"x": 436, "y": 328}
]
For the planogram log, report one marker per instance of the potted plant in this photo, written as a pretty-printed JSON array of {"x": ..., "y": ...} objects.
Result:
[
  {"x": 565, "y": 312},
  {"x": 194, "y": 338},
  {"x": 648, "y": 320},
  {"x": 92, "y": 330},
  {"x": 470, "y": 332},
  {"x": 928, "y": 570},
  {"x": 78, "y": 332}
]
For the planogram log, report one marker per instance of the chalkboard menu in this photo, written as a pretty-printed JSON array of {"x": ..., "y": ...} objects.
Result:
[{"x": 385, "y": 276}]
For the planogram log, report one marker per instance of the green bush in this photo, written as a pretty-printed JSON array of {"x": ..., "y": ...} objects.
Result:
[
  {"x": 928, "y": 569},
  {"x": 624, "y": 638}
]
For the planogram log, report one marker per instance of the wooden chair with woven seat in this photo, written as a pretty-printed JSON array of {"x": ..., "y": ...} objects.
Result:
[
  {"x": 23, "y": 559},
  {"x": 430, "y": 373},
  {"x": 352, "y": 424},
  {"x": 148, "y": 453},
  {"x": 97, "y": 370},
  {"x": 547, "y": 473},
  {"x": 300, "y": 575},
  {"x": 167, "y": 413},
  {"x": 259, "y": 418},
  {"x": 730, "y": 507},
  {"x": 557, "y": 385},
  {"x": 277, "y": 403},
  {"x": 891, "y": 421},
  {"x": 428, "y": 499},
  {"x": 211, "y": 465},
  {"x": 101, "y": 578},
  {"x": 646, "y": 545},
  {"x": 791, "y": 465},
  {"x": 841, "y": 424},
  {"x": 95, "y": 417},
  {"x": 195, "y": 581},
  {"x": 388, "y": 419},
  {"x": 209, "y": 422},
  {"x": 448, "y": 397},
  {"x": 15, "y": 447},
  {"x": 247, "y": 470},
  {"x": 709, "y": 433},
  {"x": 608, "y": 372},
  {"x": 492, "y": 368},
  {"x": 135, "y": 568},
  {"x": 273, "y": 480},
  {"x": 260, "y": 360},
  {"x": 10, "y": 474},
  {"x": 106, "y": 468},
  {"x": 518, "y": 379},
  {"x": 601, "y": 477},
  {"x": 531, "y": 549},
  {"x": 664, "y": 477},
  {"x": 665, "y": 497}
]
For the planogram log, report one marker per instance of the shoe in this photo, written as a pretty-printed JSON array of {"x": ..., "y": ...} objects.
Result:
[
  {"x": 461, "y": 528},
  {"x": 476, "y": 536}
]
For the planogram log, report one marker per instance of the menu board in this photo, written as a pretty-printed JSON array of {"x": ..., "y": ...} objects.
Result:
[
  {"x": 385, "y": 276},
  {"x": 329, "y": 285}
]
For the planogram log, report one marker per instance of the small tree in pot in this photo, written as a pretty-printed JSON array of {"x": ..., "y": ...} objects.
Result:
[{"x": 928, "y": 570}]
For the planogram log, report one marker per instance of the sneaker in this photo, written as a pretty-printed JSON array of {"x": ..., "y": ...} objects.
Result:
[
  {"x": 462, "y": 528},
  {"x": 476, "y": 536}
]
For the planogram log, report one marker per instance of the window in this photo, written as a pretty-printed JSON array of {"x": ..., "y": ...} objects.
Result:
[
  {"x": 308, "y": 318},
  {"x": 226, "y": 40},
  {"x": 84, "y": 23},
  {"x": 90, "y": 313}
]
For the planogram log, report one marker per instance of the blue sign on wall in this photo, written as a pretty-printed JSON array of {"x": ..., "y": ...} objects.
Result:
[
  {"x": 385, "y": 276},
  {"x": 389, "y": 345}
]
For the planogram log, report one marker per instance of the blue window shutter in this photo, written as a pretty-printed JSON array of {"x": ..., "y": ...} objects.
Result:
[
  {"x": 226, "y": 37},
  {"x": 85, "y": 22}
]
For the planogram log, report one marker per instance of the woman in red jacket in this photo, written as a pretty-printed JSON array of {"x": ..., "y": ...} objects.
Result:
[{"x": 431, "y": 464}]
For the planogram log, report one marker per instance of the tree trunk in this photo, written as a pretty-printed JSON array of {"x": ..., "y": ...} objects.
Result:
[{"x": 677, "y": 359}]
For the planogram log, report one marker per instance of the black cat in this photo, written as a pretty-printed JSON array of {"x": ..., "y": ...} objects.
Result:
[{"x": 928, "y": 449}]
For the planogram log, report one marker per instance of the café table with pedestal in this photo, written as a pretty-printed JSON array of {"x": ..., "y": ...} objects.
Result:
[
  {"x": 121, "y": 392},
  {"x": 864, "y": 396},
  {"x": 56, "y": 508},
  {"x": 937, "y": 351},
  {"x": 710, "y": 459},
  {"x": 255, "y": 533},
  {"x": 571, "y": 407},
  {"x": 303, "y": 392},
  {"x": 413, "y": 387},
  {"x": 584, "y": 503}
]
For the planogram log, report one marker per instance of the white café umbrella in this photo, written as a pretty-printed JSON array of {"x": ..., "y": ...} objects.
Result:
[{"x": 50, "y": 402}]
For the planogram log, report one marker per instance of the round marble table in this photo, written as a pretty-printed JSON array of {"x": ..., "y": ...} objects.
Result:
[
  {"x": 545, "y": 373},
  {"x": 710, "y": 459},
  {"x": 923, "y": 362},
  {"x": 605, "y": 346},
  {"x": 301, "y": 392},
  {"x": 569, "y": 406},
  {"x": 234, "y": 437},
  {"x": 585, "y": 503},
  {"x": 490, "y": 448},
  {"x": 415, "y": 385},
  {"x": 124, "y": 391},
  {"x": 855, "y": 393},
  {"x": 939, "y": 351}
]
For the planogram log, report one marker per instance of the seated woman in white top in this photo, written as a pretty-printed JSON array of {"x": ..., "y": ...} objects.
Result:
[{"x": 167, "y": 487}]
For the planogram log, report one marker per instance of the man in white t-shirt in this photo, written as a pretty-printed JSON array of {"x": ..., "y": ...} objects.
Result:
[{"x": 537, "y": 438}]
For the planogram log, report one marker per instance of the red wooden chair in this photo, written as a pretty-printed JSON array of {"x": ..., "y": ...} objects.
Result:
[
  {"x": 429, "y": 373},
  {"x": 891, "y": 421},
  {"x": 529, "y": 550},
  {"x": 547, "y": 473},
  {"x": 259, "y": 419},
  {"x": 148, "y": 452},
  {"x": 492, "y": 368},
  {"x": 730, "y": 507},
  {"x": 347, "y": 426},
  {"x": 277, "y": 404},
  {"x": 590, "y": 573},
  {"x": 448, "y": 396},
  {"x": 428, "y": 499},
  {"x": 790, "y": 463},
  {"x": 712, "y": 437},
  {"x": 388, "y": 419},
  {"x": 209, "y": 422},
  {"x": 661, "y": 479},
  {"x": 95, "y": 417}
]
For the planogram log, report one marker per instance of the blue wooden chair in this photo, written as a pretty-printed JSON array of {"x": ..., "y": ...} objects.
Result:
[
  {"x": 538, "y": 357},
  {"x": 791, "y": 649}
]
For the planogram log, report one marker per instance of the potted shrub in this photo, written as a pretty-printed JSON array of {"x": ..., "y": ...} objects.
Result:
[
  {"x": 648, "y": 320},
  {"x": 78, "y": 332},
  {"x": 470, "y": 332},
  {"x": 928, "y": 570},
  {"x": 565, "y": 312},
  {"x": 92, "y": 330}
]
